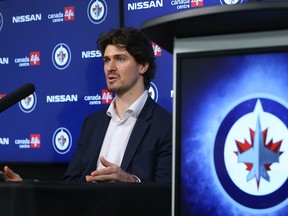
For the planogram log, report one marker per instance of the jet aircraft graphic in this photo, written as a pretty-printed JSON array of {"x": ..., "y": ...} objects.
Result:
[{"x": 258, "y": 155}]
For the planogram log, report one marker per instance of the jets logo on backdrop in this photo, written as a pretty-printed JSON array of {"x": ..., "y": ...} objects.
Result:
[
  {"x": 230, "y": 2},
  {"x": 62, "y": 140},
  {"x": 153, "y": 91},
  {"x": 251, "y": 153},
  {"x": 28, "y": 104},
  {"x": 97, "y": 11},
  {"x": 1, "y": 21},
  {"x": 61, "y": 56}
]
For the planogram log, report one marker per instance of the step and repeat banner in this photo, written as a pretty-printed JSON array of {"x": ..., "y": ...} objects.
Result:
[{"x": 51, "y": 44}]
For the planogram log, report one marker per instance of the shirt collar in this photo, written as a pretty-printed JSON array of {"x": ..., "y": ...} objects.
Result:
[{"x": 135, "y": 108}]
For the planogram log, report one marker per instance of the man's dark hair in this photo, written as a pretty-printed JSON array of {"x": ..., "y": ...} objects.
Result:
[{"x": 136, "y": 43}]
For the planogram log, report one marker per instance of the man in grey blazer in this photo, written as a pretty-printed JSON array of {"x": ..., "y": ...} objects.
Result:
[{"x": 131, "y": 140}]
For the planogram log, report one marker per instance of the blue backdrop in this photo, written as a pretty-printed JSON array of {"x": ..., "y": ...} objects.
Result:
[{"x": 52, "y": 44}]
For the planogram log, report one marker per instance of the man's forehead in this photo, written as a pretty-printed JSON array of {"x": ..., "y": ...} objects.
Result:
[{"x": 112, "y": 50}]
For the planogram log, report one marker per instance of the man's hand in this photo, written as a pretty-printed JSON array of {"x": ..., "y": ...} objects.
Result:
[
  {"x": 110, "y": 173},
  {"x": 10, "y": 176}
]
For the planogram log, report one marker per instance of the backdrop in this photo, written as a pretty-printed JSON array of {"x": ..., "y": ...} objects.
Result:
[{"x": 52, "y": 44}]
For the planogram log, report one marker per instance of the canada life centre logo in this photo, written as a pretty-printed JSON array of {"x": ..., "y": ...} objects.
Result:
[
  {"x": 97, "y": 11},
  {"x": 251, "y": 155},
  {"x": 61, "y": 56},
  {"x": 230, "y": 2},
  {"x": 62, "y": 140}
]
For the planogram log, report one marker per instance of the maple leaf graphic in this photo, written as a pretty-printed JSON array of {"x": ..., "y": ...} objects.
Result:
[
  {"x": 97, "y": 10},
  {"x": 258, "y": 156},
  {"x": 61, "y": 56}
]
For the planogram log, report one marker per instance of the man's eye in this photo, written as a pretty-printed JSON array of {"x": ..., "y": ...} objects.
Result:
[
  {"x": 105, "y": 61},
  {"x": 120, "y": 59}
]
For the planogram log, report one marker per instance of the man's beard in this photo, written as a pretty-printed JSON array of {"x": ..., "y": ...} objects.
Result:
[
  {"x": 121, "y": 89},
  {"x": 116, "y": 89}
]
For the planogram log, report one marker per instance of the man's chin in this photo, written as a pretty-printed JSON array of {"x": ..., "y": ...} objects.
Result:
[{"x": 112, "y": 89}]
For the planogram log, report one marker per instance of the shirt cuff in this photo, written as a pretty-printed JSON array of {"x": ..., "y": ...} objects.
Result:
[{"x": 137, "y": 179}]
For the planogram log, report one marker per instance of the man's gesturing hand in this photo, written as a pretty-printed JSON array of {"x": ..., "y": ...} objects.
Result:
[
  {"x": 9, "y": 175},
  {"x": 110, "y": 173}
]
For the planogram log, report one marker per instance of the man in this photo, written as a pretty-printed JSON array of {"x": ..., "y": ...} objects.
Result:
[{"x": 131, "y": 140}]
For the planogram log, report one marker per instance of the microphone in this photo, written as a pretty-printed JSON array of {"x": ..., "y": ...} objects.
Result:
[{"x": 16, "y": 96}]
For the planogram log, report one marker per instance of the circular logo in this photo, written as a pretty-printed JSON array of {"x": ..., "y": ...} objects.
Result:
[
  {"x": 61, "y": 56},
  {"x": 250, "y": 153},
  {"x": 230, "y": 2},
  {"x": 62, "y": 140},
  {"x": 153, "y": 91},
  {"x": 28, "y": 104},
  {"x": 97, "y": 11},
  {"x": 1, "y": 21}
]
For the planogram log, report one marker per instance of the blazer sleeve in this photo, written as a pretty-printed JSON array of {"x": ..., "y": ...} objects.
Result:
[
  {"x": 149, "y": 151},
  {"x": 88, "y": 147}
]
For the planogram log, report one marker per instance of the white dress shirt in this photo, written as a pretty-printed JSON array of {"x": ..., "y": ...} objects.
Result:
[{"x": 119, "y": 131}]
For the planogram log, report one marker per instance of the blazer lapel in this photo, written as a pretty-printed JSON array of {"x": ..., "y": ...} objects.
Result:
[
  {"x": 139, "y": 130},
  {"x": 98, "y": 137}
]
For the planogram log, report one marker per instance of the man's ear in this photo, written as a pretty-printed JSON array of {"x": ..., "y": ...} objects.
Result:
[{"x": 144, "y": 67}]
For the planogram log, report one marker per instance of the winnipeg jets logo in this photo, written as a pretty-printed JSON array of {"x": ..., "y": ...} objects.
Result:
[
  {"x": 258, "y": 156},
  {"x": 61, "y": 56},
  {"x": 28, "y": 104},
  {"x": 62, "y": 140},
  {"x": 153, "y": 91},
  {"x": 97, "y": 11},
  {"x": 230, "y": 2},
  {"x": 250, "y": 153}
]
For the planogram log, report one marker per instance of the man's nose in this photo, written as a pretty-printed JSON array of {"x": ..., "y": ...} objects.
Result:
[{"x": 111, "y": 65}]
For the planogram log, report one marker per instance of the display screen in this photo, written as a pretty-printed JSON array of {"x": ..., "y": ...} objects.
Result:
[{"x": 231, "y": 132}]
